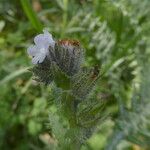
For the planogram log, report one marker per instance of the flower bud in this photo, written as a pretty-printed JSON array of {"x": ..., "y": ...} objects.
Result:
[{"x": 68, "y": 56}]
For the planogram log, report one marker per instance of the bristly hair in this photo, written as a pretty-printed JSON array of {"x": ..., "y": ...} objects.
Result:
[{"x": 68, "y": 42}]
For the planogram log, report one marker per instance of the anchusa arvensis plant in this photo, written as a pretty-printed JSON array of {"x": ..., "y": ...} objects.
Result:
[{"x": 60, "y": 63}]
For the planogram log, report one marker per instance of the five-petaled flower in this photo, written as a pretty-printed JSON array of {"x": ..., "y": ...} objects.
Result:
[{"x": 40, "y": 50}]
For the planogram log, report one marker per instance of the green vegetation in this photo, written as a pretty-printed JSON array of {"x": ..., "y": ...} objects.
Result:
[{"x": 115, "y": 35}]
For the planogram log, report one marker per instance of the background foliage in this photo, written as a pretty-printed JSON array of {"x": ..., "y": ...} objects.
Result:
[{"x": 115, "y": 36}]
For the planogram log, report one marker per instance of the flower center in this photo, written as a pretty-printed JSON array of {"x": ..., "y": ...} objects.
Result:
[{"x": 43, "y": 50}]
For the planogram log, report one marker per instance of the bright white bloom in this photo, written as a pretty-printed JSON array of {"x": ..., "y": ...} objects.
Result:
[{"x": 41, "y": 48}]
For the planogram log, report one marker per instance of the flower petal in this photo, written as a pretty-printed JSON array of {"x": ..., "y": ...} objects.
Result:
[
  {"x": 44, "y": 40},
  {"x": 32, "y": 50},
  {"x": 42, "y": 57},
  {"x": 39, "y": 40},
  {"x": 39, "y": 58},
  {"x": 41, "y": 48},
  {"x": 49, "y": 38},
  {"x": 35, "y": 60}
]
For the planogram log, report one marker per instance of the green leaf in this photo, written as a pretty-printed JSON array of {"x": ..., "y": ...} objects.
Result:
[
  {"x": 60, "y": 78},
  {"x": 13, "y": 75},
  {"x": 31, "y": 15}
]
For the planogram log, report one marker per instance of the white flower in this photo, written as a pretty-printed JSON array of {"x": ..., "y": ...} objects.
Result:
[{"x": 41, "y": 48}]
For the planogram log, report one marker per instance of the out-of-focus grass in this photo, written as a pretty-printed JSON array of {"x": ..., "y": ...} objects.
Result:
[
  {"x": 31, "y": 15},
  {"x": 111, "y": 33}
]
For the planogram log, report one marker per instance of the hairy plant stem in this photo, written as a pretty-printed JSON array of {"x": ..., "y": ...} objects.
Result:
[{"x": 70, "y": 114}]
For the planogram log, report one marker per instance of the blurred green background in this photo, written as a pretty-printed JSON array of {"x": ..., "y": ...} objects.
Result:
[{"x": 115, "y": 35}]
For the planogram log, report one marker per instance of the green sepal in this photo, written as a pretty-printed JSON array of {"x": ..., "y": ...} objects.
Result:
[{"x": 60, "y": 78}]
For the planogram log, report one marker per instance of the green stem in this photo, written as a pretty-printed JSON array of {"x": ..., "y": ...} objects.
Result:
[{"x": 70, "y": 114}]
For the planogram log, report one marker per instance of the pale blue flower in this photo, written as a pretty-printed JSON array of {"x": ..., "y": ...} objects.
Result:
[{"x": 41, "y": 48}]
